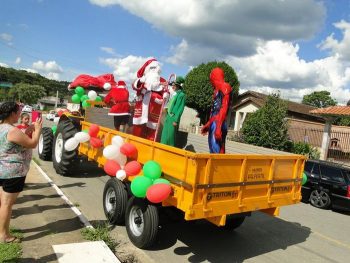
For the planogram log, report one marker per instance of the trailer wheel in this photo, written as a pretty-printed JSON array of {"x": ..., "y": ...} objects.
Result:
[
  {"x": 115, "y": 199},
  {"x": 63, "y": 161},
  {"x": 45, "y": 144},
  {"x": 234, "y": 222},
  {"x": 141, "y": 220}
]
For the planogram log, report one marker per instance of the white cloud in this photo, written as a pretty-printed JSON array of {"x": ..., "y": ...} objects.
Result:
[
  {"x": 29, "y": 70},
  {"x": 6, "y": 37},
  {"x": 340, "y": 47},
  {"x": 277, "y": 66},
  {"x": 18, "y": 60},
  {"x": 124, "y": 68},
  {"x": 108, "y": 50},
  {"x": 227, "y": 27},
  {"x": 4, "y": 65},
  {"x": 49, "y": 69}
]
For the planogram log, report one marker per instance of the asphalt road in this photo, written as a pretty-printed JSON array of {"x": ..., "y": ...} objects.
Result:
[{"x": 301, "y": 233}]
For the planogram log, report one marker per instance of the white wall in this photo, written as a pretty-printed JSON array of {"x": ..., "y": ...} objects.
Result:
[{"x": 241, "y": 114}]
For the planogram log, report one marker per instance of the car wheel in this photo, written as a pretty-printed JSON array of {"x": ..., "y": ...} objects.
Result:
[{"x": 320, "y": 199}]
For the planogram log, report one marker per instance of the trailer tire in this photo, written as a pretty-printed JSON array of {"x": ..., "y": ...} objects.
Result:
[
  {"x": 234, "y": 222},
  {"x": 64, "y": 161},
  {"x": 141, "y": 221},
  {"x": 45, "y": 144},
  {"x": 115, "y": 199}
]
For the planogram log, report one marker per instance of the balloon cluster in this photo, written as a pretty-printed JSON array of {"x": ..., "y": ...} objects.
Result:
[
  {"x": 116, "y": 155},
  {"x": 84, "y": 136},
  {"x": 150, "y": 184},
  {"x": 80, "y": 96}
]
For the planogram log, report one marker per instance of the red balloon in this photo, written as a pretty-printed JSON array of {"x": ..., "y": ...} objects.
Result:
[
  {"x": 157, "y": 193},
  {"x": 129, "y": 150},
  {"x": 93, "y": 130},
  {"x": 96, "y": 142},
  {"x": 60, "y": 112},
  {"x": 132, "y": 168},
  {"x": 111, "y": 167}
]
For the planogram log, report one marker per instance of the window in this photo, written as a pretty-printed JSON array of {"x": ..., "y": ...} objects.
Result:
[
  {"x": 316, "y": 171},
  {"x": 332, "y": 174},
  {"x": 308, "y": 167}
]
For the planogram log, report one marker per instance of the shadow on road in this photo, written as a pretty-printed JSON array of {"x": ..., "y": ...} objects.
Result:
[{"x": 207, "y": 242}]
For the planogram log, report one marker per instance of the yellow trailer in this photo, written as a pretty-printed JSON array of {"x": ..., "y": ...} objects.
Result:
[{"x": 221, "y": 188}]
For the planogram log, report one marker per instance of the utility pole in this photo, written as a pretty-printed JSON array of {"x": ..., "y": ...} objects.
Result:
[{"x": 56, "y": 100}]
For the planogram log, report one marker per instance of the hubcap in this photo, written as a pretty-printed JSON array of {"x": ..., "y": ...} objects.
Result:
[
  {"x": 110, "y": 201},
  {"x": 41, "y": 143},
  {"x": 59, "y": 147},
  {"x": 319, "y": 198},
  {"x": 136, "y": 222}
]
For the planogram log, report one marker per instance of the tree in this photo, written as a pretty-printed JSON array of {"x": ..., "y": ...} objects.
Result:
[
  {"x": 267, "y": 127},
  {"x": 199, "y": 91},
  {"x": 319, "y": 99},
  {"x": 27, "y": 93}
]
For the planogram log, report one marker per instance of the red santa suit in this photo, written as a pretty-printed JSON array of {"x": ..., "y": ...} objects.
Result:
[
  {"x": 149, "y": 101},
  {"x": 118, "y": 98}
]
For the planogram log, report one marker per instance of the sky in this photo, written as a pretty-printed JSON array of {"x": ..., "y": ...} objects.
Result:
[{"x": 293, "y": 47}]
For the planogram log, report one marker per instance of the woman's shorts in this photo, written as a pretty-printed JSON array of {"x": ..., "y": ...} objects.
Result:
[
  {"x": 120, "y": 120},
  {"x": 13, "y": 185}
]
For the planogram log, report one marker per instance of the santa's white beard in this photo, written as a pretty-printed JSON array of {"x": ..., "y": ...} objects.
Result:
[{"x": 152, "y": 81}]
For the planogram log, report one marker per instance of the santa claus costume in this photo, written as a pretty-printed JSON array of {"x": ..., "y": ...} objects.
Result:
[
  {"x": 151, "y": 93},
  {"x": 118, "y": 99}
]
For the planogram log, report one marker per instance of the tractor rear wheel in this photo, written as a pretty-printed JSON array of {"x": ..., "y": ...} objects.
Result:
[
  {"x": 63, "y": 160},
  {"x": 45, "y": 144}
]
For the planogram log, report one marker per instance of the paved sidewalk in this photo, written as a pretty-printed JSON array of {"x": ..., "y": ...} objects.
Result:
[{"x": 44, "y": 219}]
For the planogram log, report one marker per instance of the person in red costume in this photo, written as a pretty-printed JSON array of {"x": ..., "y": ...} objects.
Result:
[
  {"x": 118, "y": 99},
  {"x": 151, "y": 93},
  {"x": 216, "y": 126}
]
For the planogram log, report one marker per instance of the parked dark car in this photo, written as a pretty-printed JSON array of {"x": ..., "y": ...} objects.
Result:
[{"x": 328, "y": 185}]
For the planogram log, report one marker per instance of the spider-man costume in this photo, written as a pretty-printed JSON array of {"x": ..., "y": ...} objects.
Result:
[{"x": 216, "y": 126}]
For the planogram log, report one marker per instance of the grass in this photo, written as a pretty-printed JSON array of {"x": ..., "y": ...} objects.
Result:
[
  {"x": 100, "y": 232},
  {"x": 11, "y": 252},
  {"x": 36, "y": 161}
]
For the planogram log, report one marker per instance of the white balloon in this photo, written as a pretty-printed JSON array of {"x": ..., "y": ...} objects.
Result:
[
  {"x": 111, "y": 152},
  {"x": 121, "y": 159},
  {"x": 71, "y": 144},
  {"x": 107, "y": 86},
  {"x": 92, "y": 95},
  {"x": 82, "y": 136},
  {"x": 121, "y": 175},
  {"x": 117, "y": 140},
  {"x": 56, "y": 119}
]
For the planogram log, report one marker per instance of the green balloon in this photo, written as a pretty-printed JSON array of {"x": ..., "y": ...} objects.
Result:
[
  {"x": 84, "y": 97},
  {"x": 304, "y": 179},
  {"x": 54, "y": 129},
  {"x": 161, "y": 181},
  {"x": 86, "y": 131},
  {"x": 152, "y": 170},
  {"x": 76, "y": 98},
  {"x": 98, "y": 98},
  {"x": 80, "y": 91},
  {"x": 139, "y": 186},
  {"x": 85, "y": 104}
]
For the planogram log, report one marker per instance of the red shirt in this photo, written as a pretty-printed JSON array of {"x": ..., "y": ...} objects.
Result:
[
  {"x": 119, "y": 98},
  {"x": 23, "y": 128}
]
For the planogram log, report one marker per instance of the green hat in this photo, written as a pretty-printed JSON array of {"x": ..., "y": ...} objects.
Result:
[{"x": 179, "y": 81}]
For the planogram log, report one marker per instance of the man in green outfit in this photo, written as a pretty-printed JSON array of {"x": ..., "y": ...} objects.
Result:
[{"x": 176, "y": 106}]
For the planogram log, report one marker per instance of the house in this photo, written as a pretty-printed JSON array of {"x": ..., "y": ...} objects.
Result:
[{"x": 251, "y": 101}]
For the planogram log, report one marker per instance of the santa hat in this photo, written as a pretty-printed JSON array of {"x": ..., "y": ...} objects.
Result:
[
  {"x": 121, "y": 84},
  {"x": 142, "y": 70}
]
